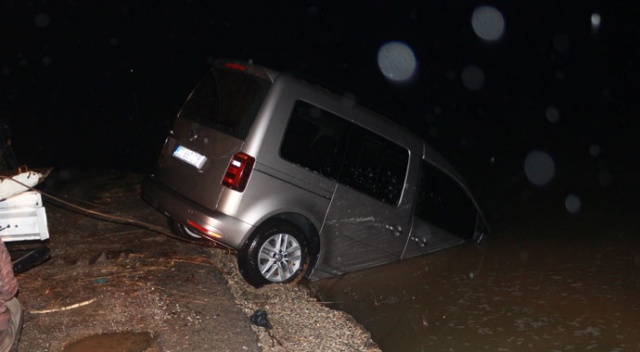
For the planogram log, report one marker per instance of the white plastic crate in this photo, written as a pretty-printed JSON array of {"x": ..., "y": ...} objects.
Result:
[{"x": 23, "y": 218}]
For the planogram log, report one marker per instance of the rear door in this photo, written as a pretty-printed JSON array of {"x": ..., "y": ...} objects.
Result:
[{"x": 209, "y": 130}]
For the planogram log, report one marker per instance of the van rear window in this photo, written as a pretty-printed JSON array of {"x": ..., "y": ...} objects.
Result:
[{"x": 226, "y": 100}]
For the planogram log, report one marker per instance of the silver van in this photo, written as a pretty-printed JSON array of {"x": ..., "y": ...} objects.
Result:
[{"x": 302, "y": 181}]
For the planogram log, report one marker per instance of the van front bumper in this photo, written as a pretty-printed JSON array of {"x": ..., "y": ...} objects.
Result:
[{"x": 233, "y": 232}]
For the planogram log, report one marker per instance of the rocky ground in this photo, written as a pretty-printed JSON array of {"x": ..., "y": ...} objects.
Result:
[{"x": 111, "y": 286}]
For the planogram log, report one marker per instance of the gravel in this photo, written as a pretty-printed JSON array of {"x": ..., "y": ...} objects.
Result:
[{"x": 299, "y": 322}]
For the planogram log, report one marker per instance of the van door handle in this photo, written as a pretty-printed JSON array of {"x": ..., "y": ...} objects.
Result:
[{"x": 395, "y": 230}]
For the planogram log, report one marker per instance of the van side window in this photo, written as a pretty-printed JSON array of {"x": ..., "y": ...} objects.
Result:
[
  {"x": 442, "y": 202},
  {"x": 341, "y": 150},
  {"x": 315, "y": 140},
  {"x": 375, "y": 166}
]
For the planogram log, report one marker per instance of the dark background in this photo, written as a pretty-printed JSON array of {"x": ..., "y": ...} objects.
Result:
[{"x": 98, "y": 83}]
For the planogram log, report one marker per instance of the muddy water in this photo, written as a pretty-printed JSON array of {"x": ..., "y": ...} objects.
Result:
[
  {"x": 545, "y": 295},
  {"x": 548, "y": 283},
  {"x": 121, "y": 342}
]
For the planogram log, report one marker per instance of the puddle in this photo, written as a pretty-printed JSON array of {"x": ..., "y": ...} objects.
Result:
[{"x": 112, "y": 342}]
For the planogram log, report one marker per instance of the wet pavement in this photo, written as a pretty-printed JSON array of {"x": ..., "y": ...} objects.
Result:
[{"x": 546, "y": 280}]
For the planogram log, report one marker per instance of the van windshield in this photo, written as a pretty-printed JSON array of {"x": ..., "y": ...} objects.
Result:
[{"x": 227, "y": 100}]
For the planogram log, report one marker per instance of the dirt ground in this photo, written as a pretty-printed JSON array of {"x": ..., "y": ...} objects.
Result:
[{"x": 115, "y": 287}]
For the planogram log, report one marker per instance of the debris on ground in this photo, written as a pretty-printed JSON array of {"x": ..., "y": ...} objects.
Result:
[{"x": 106, "y": 280}]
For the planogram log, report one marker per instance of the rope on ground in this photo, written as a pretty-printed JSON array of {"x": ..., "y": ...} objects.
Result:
[{"x": 106, "y": 217}]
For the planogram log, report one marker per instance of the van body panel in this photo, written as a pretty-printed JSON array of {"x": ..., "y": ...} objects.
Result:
[
  {"x": 368, "y": 231},
  {"x": 200, "y": 185},
  {"x": 341, "y": 254},
  {"x": 183, "y": 210},
  {"x": 267, "y": 196},
  {"x": 432, "y": 238},
  {"x": 265, "y": 138}
]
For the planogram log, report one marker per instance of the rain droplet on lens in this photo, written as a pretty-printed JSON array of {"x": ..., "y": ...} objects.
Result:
[
  {"x": 552, "y": 114},
  {"x": 539, "y": 168},
  {"x": 596, "y": 21},
  {"x": 572, "y": 203},
  {"x": 42, "y": 20},
  {"x": 488, "y": 23},
  {"x": 594, "y": 150},
  {"x": 397, "y": 61},
  {"x": 472, "y": 77}
]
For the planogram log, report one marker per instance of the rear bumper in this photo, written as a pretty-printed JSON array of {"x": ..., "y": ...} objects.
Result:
[{"x": 234, "y": 232}]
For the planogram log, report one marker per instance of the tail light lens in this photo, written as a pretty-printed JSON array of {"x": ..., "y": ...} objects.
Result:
[
  {"x": 207, "y": 232},
  {"x": 235, "y": 66},
  {"x": 238, "y": 172}
]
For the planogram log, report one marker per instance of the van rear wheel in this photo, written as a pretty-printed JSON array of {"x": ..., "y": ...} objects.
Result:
[{"x": 276, "y": 252}]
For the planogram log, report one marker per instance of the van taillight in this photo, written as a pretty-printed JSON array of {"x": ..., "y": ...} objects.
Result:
[
  {"x": 235, "y": 66},
  {"x": 238, "y": 172}
]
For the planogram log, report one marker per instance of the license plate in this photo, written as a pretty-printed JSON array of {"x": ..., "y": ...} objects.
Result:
[{"x": 189, "y": 156}]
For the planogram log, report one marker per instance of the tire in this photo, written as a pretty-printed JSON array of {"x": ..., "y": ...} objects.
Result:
[
  {"x": 184, "y": 232},
  {"x": 276, "y": 252}
]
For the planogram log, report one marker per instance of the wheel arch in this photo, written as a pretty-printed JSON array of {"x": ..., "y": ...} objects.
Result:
[{"x": 308, "y": 228}]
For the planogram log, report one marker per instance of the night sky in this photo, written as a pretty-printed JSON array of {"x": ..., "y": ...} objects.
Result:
[{"x": 98, "y": 83}]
